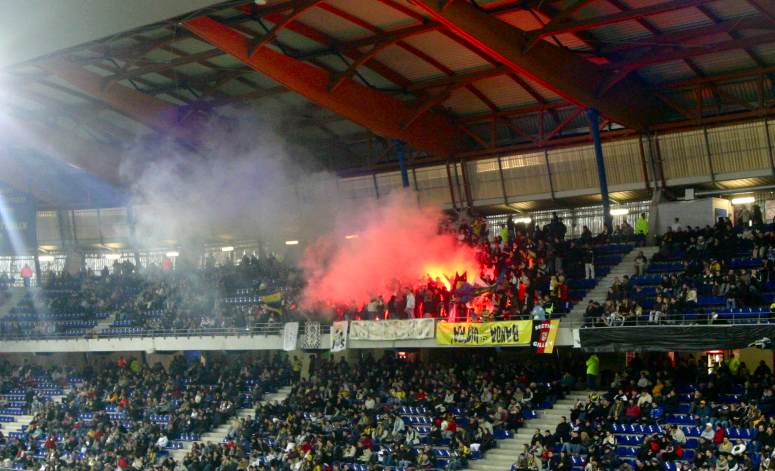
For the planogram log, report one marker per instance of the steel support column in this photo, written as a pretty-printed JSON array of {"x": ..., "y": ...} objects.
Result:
[
  {"x": 130, "y": 219},
  {"x": 401, "y": 154},
  {"x": 594, "y": 119}
]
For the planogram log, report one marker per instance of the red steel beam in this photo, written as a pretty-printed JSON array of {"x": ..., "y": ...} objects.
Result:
[
  {"x": 562, "y": 71},
  {"x": 627, "y": 15},
  {"x": 320, "y": 38},
  {"x": 375, "y": 110},
  {"x": 155, "y": 113}
]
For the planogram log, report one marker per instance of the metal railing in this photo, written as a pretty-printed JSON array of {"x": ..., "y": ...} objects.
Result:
[
  {"x": 682, "y": 320},
  {"x": 276, "y": 329},
  {"x": 257, "y": 330}
]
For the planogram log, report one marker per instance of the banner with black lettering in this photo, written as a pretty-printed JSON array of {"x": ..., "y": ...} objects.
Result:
[
  {"x": 338, "y": 336},
  {"x": 18, "y": 223},
  {"x": 473, "y": 334},
  {"x": 311, "y": 336},
  {"x": 545, "y": 335}
]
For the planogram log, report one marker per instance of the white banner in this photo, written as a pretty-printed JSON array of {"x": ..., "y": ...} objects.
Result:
[
  {"x": 408, "y": 329},
  {"x": 311, "y": 335},
  {"x": 290, "y": 334},
  {"x": 338, "y": 336}
]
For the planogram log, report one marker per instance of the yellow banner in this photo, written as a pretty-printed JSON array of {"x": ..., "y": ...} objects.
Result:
[{"x": 484, "y": 333}]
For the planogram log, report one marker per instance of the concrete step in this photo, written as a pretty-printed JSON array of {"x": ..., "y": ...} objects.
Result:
[{"x": 481, "y": 465}]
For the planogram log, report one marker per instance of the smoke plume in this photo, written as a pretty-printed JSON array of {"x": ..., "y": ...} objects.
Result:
[{"x": 392, "y": 244}]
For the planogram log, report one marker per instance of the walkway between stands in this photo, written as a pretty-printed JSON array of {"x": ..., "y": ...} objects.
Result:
[
  {"x": 598, "y": 293},
  {"x": 508, "y": 450},
  {"x": 217, "y": 435}
]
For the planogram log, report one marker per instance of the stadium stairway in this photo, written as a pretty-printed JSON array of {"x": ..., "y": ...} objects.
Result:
[
  {"x": 217, "y": 435},
  {"x": 508, "y": 450},
  {"x": 22, "y": 422},
  {"x": 105, "y": 324},
  {"x": 16, "y": 296},
  {"x": 599, "y": 292}
]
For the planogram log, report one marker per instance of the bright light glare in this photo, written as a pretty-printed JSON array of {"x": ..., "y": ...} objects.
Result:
[
  {"x": 620, "y": 212},
  {"x": 228, "y": 248},
  {"x": 291, "y": 242},
  {"x": 173, "y": 253},
  {"x": 351, "y": 236},
  {"x": 525, "y": 220},
  {"x": 45, "y": 258},
  {"x": 112, "y": 256},
  {"x": 743, "y": 200}
]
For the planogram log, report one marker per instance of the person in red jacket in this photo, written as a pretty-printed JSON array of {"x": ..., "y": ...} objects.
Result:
[
  {"x": 26, "y": 274},
  {"x": 632, "y": 412}
]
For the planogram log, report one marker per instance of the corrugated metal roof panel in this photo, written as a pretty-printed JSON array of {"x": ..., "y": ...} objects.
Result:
[
  {"x": 332, "y": 25},
  {"x": 726, "y": 61},
  {"x": 464, "y": 102},
  {"x": 375, "y": 13},
  {"x": 666, "y": 72},
  {"x": 726, "y": 9},
  {"x": 766, "y": 52},
  {"x": 521, "y": 19},
  {"x": 680, "y": 19},
  {"x": 407, "y": 64},
  {"x": 505, "y": 92},
  {"x": 445, "y": 50}
]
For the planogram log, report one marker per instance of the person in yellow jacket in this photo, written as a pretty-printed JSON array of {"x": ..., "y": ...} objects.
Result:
[
  {"x": 593, "y": 369},
  {"x": 642, "y": 227}
]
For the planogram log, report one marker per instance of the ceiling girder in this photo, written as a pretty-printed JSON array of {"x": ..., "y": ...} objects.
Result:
[
  {"x": 560, "y": 70},
  {"x": 432, "y": 132}
]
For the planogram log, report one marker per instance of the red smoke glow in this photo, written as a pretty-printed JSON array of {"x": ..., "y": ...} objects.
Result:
[{"x": 398, "y": 245}]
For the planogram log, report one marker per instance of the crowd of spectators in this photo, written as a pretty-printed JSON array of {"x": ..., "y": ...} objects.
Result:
[
  {"x": 125, "y": 414},
  {"x": 525, "y": 274},
  {"x": 152, "y": 298},
  {"x": 361, "y": 414},
  {"x": 656, "y": 413},
  {"x": 735, "y": 265}
]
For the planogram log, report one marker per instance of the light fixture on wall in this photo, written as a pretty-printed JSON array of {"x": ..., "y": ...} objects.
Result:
[
  {"x": 620, "y": 212},
  {"x": 173, "y": 253},
  {"x": 291, "y": 242},
  {"x": 743, "y": 200},
  {"x": 227, "y": 248},
  {"x": 525, "y": 220}
]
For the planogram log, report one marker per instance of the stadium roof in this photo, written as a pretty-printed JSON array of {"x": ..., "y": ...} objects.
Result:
[{"x": 461, "y": 78}]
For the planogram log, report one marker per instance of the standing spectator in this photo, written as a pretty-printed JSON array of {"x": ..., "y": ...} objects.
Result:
[
  {"x": 589, "y": 263},
  {"x": 640, "y": 264},
  {"x": 642, "y": 226},
  {"x": 26, "y": 274},
  {"x": 410, "y": 303},
  {"x": 593, "y": 369}
]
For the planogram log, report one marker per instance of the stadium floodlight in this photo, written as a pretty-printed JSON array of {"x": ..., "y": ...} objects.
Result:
[
  {"x": 743, "y": 200},
  {"x": 227, "y": 248},
  {"x": 525, "y": 220},
  {"x": 45, "y": 258},
  {"x": 351, "y": 236},
  {"x": 291, "y": 242},
  {"x": 173, "y": 253},
  {"x": 620, "y": 212},
  {"x": 112, "y": 256}
]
